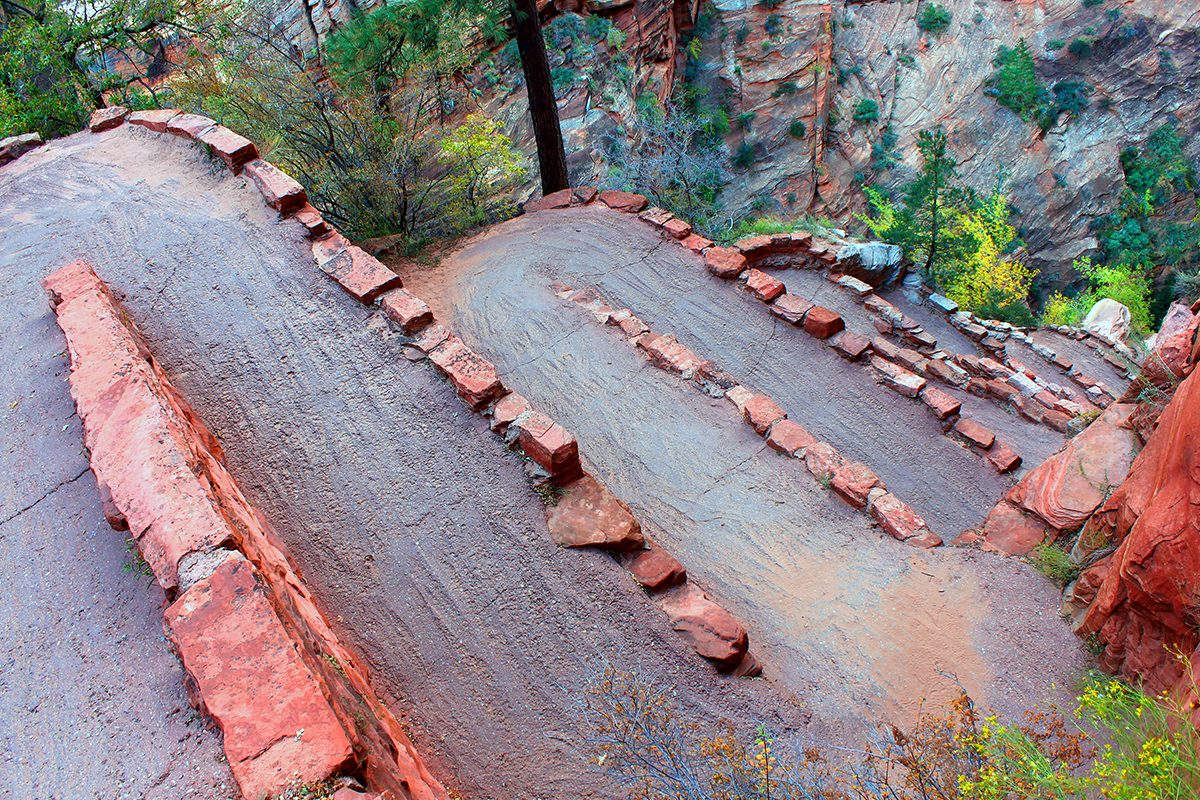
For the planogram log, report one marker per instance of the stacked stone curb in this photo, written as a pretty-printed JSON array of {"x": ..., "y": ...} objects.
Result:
[
  {"x": 587, "y": 514},
  {"x": 854, "y": 482},
  {"x": 259, "y": 656}
]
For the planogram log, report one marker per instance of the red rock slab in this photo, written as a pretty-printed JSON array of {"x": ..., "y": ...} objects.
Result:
[
  {"x": 624, "y": 201},
  {"x": 433, "y": 337},
  {"x": 822, "y": 322},
  {"x": 711, "y": 372},
  {"x": 329, "y": 246},
  {"x": 789, "y": 437},
  {"x": 898, "y": 378},
  {"x": 104, "y": 119},
  {"x": 977, "y": 387},
  {"x": 1010, "y": 531},
  {"x": 551, "y": 446},
  {"x": 851, "y": 346},
  {"x": 897, "y": 518},
  {"x": 1069, "y": 486},
  {"x": 875, "y": 303},
  {"x": 407, "y": 310},
  {"x": 677, "y": 229},
  {"x": 975, "y": 433},
  {"x": 278, "y": 728},
  {"x": 790, "y": 308},
  {"x": 945, "y": 373},
  {"x": 311, "y": 219},
  {"x": 853, "y": 482},
  {"x": 280, "y": 191},
  {"x": 884, "y": 348},
  {"x": 725, "y": 262},
  {"x": 1001, "y": 390},
  {"x": 1003, "y": 458},
  {"x": 1056, "y": 420},
  {"x": 941, "y": 404},
  {"x": 921, "y": 338},
  {"x": 762, "y": 412},
  {"x": 756, "y": 247},
  {"x": 560, "y": 199},
  {"x": 656, "y": 216},
  {"x": 763, "y": 286},
  {"x": 474, "y": 379},
  {"x": 588, "y": 515},
  {"x": 631, "y": 326},
  {"x": 1028, "y": 408},
  {"x": 156, "y": 120},
  {"x": 994, "y": 369},
  {"x": 696, "y": 243},
  {"x": 1062, "y": 363},
  {"x": 739, "y": 396},
  {"x": 656, "y": 570},
  {"x": 507, "y": 410},
  {"x": 823, "y": 460},
  {"x": 582, "y": 195},
  {"x": 361, "y": 274},
  {"x": 235, "y": 150},
  {"x": 189, "y": 125},
  {"x": 710, "y": 629},
  {"x": 666, "y": 353}
]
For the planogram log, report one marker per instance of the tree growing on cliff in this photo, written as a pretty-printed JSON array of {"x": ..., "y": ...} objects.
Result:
[{"x": 1015, "y": 83}]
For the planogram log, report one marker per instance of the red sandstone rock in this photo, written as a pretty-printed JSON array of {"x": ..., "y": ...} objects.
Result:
[
  {"x": 724, "y": 262},
  {"x": 632, "y": 326},
  {"x": 763, "y": 286},
  {"x": 853, "y": 482},
  {"x": 941, "y": 404},
  {"x": 1012, "y": 532},
  {"x": 407, "y": 310},
  {"x": 875, "y": 304},
  {"x": 279, "y": 190},
  {"x": 1003, "y": 458},
  {"x": 235, "y": 150},
  {"x": 560, "y": 199},
  {"x": 623, "y": 201},
  {"x": 656, "y": 570},
  {"x": 696, "y": 243},
  {"x": 507, "y": 410},
  {"x": 189, "y": 125},
  {"x": 710, "y": 629},
  {"x": 756, "y": 247},
  {"x": 550, "y": 446},
  {"x": 823, "y": 460},
  {"x": 583, "y": 195},
  {"x": 278, "y": 728},
  {"x": 945, "y": 372},
  {"x": 790, "y": 308},
  {"x": 104, "y": 119},
  {"x": 909, "y": 359},
  {"x": 851, "y": 345},
  {"x": 884, "y": 348},
  {"x": 897, "y": 378},
  {"x": 789, "y": 437},
  {"x": 328, "y": 247},
  {"x": 739, "y": 396},
  {"x": 762, "y": 412},
  {"x": 1001, "y": 390},
  {"x": 156, "y": 120},
  {"x": 433, "y": 337},
  {"x": 897, "y": 518},
  {"x": 588, "y": 515},
  {"x": 1066, "y": 488},
  {"x": 749, "y": 667},
  {"x": 656, "y": 216},
  {"x": 666, "y": 353},
  {"x": 1057, "y": 420},
  {"x": 311, "y": 219},
  {"x": 474, "y": 379},
  {"x": 975, "y": 433},
  {"x": 360, "y": 274},
  {"x": 678, "y": 229},
  {"x": 823, "y": 323}
]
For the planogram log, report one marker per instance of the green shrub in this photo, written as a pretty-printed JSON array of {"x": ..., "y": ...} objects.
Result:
[
  {"x": 744, "y": 120},
  {"x": 774, "y": 25},
  {"x": 1015, "y": 83},
  {"x": 1080, "y": 48},
  {"x": 866, "y": 111},
  {"x": 1090, "y": 3},
  {"x": 797, "y": 129},
  {"x": 744, "y": 157},
  {"x": 1055, "y": 44},
  {"x": 788, "y": 88},
  {"x": 934, "y": 19},
  {"x": 1055, "y": 563}
]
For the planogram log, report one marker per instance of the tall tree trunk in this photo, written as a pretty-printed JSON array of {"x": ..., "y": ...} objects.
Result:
[{"x": 552, "y": 159}]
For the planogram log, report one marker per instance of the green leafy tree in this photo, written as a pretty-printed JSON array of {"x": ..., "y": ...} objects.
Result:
[
  {"x": 934, "y": 19},
  {"x": 924, "y": 224},
  {"x": 55, "y": 57},
  {"x": 480, "y": 159},
  {"x": 866, "y": 111},
  {"x": 1015, "y": 83}
]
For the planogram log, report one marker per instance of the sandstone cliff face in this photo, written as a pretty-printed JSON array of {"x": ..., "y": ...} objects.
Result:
[
  {"x": 1143, "y": 601},
  {"x": 1141, "y": 65}
]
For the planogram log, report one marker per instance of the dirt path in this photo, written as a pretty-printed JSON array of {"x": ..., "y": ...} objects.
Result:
[
  {"x": 832, "y": 604},
  {"x": 415, "y": 528}
]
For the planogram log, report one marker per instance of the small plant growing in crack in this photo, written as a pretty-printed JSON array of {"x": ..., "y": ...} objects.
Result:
[
  {"x": 826, "y": 479},
  {"x": 549, "y": 493},
  {"x": 136, "y": 565}
]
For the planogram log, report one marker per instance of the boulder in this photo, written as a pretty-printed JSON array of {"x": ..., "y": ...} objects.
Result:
[
  {"x": 875, "y": 263},
  {"x": 725, "y": 262},
  {"x": 712, "y": 630},
  {"x": 1108, "y": 320},
  {"x": 762, "y": 412},
  {"x": 790, "y": 308},
  {"x": 624, "y": 201},
  {"x": 588, "y": 515},
  {"x": 155, "y": 119},
  {"x": 16, "y": 146},
  {"x": 1012, "y": 532},
  {"x": 942, "y": 303},
  {"x": 1066, "y": 488},
  {"x": 822, "y": 322},
  {"x": 901, "y": 522},
  {"x": 104, "y": 119},
  {"x": 789, "y": 438},
  {"x": 474, "y": 378},
  {"x": 550, "y": 445}
]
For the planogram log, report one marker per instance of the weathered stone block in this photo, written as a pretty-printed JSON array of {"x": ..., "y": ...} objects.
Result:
[{"x": 588, "y": 515}]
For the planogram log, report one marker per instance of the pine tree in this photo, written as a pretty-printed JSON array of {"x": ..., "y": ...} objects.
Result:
[{"x": 1015, "y": 84}]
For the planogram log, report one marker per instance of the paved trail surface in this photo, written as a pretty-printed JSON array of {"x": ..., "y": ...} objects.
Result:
[
  {"x": 837, "y": 608},
  {"x": 414, "y": 526}
]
